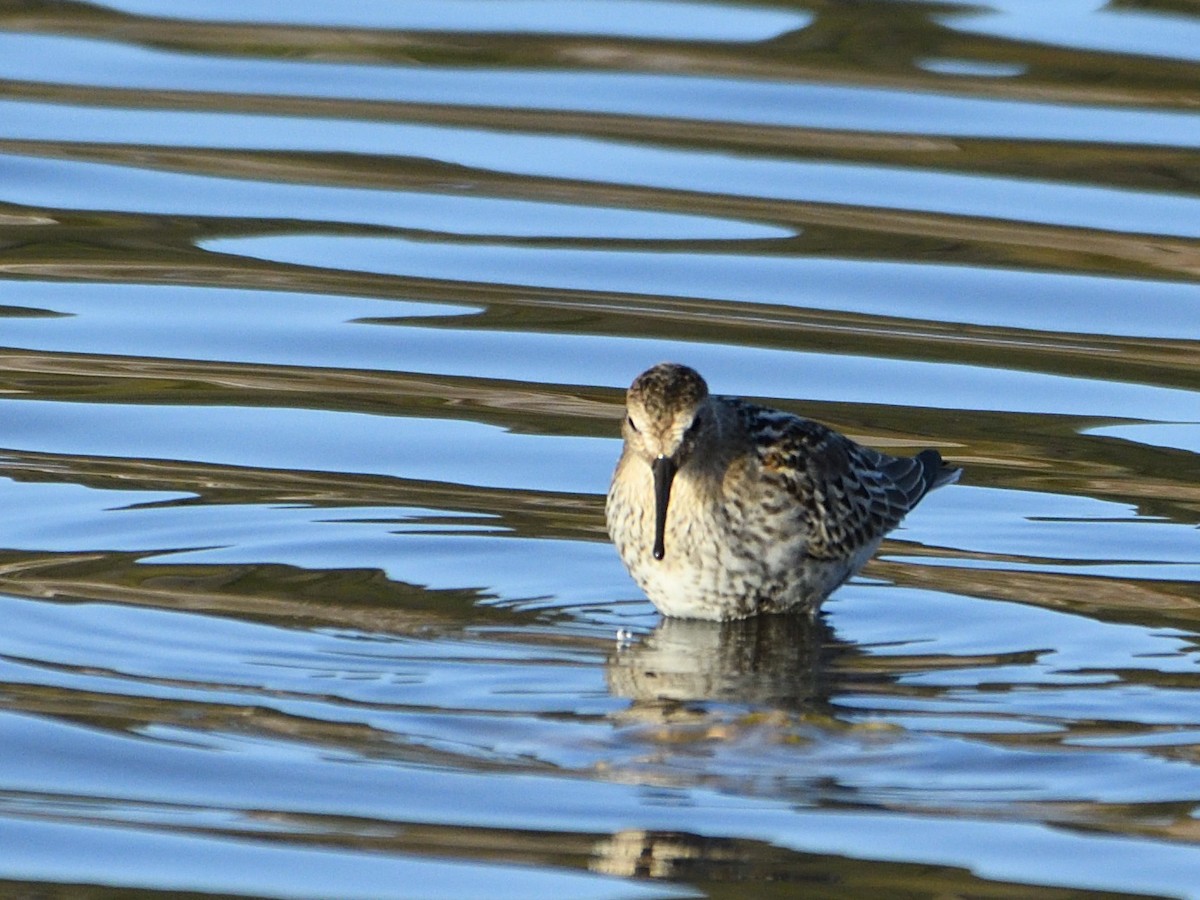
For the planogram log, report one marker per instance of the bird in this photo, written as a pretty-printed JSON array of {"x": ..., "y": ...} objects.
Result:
[{"x": 722, "y": 509}]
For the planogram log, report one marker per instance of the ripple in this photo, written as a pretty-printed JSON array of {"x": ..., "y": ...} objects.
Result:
[
  {"x": 1085, "y": 24},
  {"x": 310, "y": 440},
  {"x": 642, "y": 19},
  {"x": 94, "y": 63},
  {"x": 79, "y": 853},
  {"x": 1175, "y": 435},
  {"x": 43, "y": 183},
  {"x": 975, "y": 295}
]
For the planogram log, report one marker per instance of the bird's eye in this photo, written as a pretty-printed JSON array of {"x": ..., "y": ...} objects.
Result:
[{"x": 629, "y": 422}]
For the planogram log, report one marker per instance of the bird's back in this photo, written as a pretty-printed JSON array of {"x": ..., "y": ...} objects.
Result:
[{"x": 846, "y": 496}]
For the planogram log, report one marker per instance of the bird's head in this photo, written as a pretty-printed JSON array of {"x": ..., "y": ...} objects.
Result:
[{"x": 667, "y": 414}]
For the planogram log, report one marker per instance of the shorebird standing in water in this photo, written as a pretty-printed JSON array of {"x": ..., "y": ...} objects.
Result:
[{"x": 722, "y": 509}]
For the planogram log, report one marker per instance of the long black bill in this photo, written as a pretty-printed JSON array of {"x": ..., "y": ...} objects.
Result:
[{"x": 664, "y": 473}]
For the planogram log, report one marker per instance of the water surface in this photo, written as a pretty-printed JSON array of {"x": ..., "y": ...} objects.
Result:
[{"x": 316, "y": 325}]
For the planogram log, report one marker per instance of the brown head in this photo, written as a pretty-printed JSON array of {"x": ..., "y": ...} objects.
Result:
[{"x": 666, "y": 411}]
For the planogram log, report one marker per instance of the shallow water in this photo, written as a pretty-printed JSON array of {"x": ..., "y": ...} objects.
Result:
[{"x": 316, "y": 324}]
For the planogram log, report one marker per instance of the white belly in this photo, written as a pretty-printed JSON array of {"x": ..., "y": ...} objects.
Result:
[{"x": 720, "y": 562}]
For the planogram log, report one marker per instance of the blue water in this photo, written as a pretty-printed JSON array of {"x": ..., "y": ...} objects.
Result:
[{"x": 316, "y": 325}]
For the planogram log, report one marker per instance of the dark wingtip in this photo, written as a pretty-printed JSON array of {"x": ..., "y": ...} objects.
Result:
[{"x": 937, "y": 473}]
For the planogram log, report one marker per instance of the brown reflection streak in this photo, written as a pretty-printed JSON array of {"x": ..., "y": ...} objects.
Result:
[
  {"x": 539, "y": 514},
  {"x": 871, "y": 43},
  {"x": 360, "y": 599},
  {"x": 1147, "y": 603},
  {"x": 874, "y": 232},
  {"x": 1044, "y": 453},
  {"x": 1167, "y": 362}
]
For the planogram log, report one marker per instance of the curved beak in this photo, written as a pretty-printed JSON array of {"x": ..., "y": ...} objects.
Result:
[{"x": 664, "y": 469}]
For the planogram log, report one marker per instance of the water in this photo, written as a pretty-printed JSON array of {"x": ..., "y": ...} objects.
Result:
[{"x": 316, "y": 323}]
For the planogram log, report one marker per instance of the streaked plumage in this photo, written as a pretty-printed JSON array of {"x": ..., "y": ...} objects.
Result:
[{"x": 722, "y": 509}]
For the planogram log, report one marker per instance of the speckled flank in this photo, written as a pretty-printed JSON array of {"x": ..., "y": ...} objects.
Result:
[{"x": 766, "y": 512}]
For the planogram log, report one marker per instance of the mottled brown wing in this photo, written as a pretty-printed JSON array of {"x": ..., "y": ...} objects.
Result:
[{"x": 849, "y": 495}]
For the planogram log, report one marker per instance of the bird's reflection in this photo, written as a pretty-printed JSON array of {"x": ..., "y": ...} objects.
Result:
[
  {"x": 772, "y": 661},
  {"x": 727, "y": 705},
  {"x": 635, "y": 853}
]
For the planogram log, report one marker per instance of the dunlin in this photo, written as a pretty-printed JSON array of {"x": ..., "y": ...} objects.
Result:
[{"x": 723, "y": 509}]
